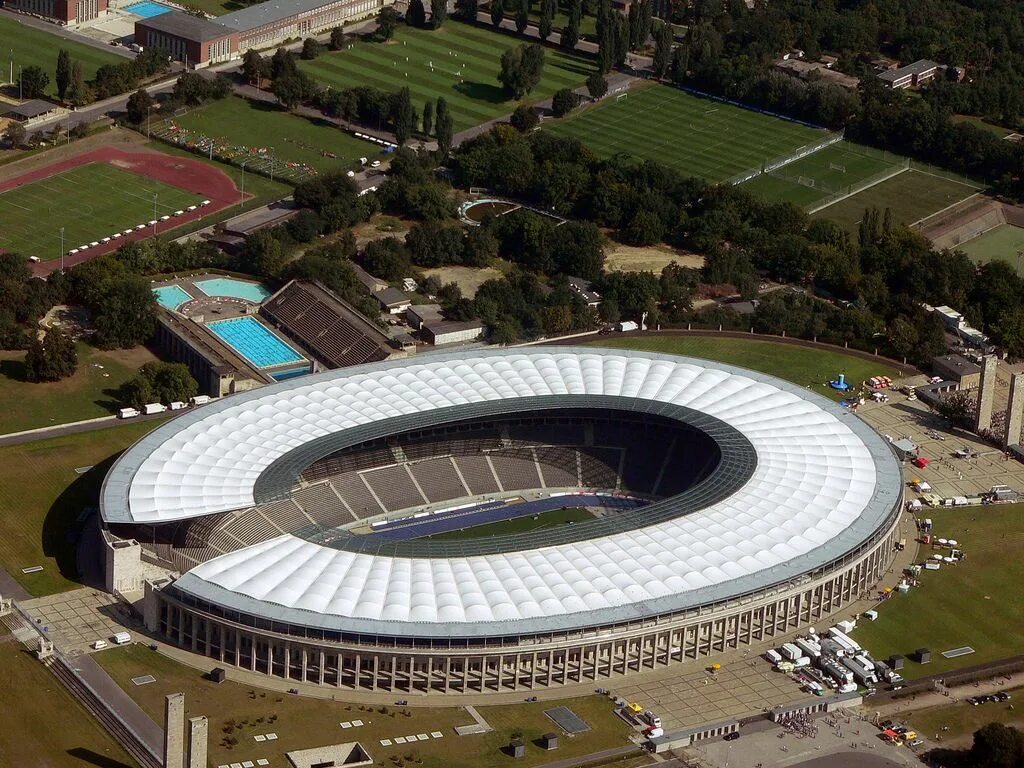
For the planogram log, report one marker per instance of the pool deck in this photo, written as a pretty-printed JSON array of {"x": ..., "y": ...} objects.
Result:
[{"x": 207, "y": 308}]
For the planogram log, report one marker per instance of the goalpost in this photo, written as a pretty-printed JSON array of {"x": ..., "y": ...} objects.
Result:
[
  {"x": 621, "y": 96},
  {"x": 837, "y": 167}
]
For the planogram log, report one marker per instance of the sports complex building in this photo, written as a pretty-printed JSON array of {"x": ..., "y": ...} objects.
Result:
[{"x": 321, "y": 529}]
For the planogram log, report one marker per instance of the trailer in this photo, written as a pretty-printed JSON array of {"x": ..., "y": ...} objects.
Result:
[
  {"x": 859, "y": 674},
  {"x": 809, "y": 647},
  {"x": 791, "y": 651},
  {"x": 128, "y": 413},
  {"x": 844, "y": 640},
  {"x": 177, "y": 405},
  {"x": 200, "y": 400},
  {"x": 628, "y": 325},
  {"x": 773, "y": 656},
  {"x": 150, "y": 408}
]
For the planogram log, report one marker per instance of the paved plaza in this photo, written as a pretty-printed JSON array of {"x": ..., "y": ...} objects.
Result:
[{"x": 74, "y": 620}]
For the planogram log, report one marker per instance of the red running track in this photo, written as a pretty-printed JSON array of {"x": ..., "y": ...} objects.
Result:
[{"x": 182, "y": 172}]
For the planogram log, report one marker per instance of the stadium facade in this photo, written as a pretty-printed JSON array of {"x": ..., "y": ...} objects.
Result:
[{"x": 256, "y": 525}]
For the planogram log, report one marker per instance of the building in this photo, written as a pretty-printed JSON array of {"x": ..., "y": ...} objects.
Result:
[
  {"x": 29, "y": 112},
  {"x": 910, "y": 76},
  {"x": 392, "y": 300},
  {"x": 200, "y": 42},
  {"x": 332, "y": 330},
  {"x": 187, "y": 38},
  {"x": 263, "y": 509},
  {"x": 62, "y": 11},
  {"x": 434, "y": 329},
  {"x": 959, "y": 369},
  {"x": 583, "y": 289},
  {"x": 369, "y": 282},
  {"x": 806, "y": 70}
]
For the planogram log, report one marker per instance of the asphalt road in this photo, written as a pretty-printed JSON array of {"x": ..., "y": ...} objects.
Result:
[{"x": 59, "y": 430}]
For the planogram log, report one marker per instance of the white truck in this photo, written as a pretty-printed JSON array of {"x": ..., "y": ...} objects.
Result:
[
  {"x": 628, "y": 325},
  {"x": 128, "y": 413},
  {"x": 200, "y": 400},
  {"x": 122, "y": 638},
  {"x": 791, "y": 651}
]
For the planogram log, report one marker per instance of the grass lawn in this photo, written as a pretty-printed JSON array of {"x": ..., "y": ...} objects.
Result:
[
  {"x": 33, "y": 702},
  {"x": 86, "y": 395},
  {"x": 697, "y": 136},
  {"x": 1000, "y": 244},
  {"x": 41, "y": 497},
  {"x": 519, "y": 524},
  {"x": 474, "y": 96},
  {"x": 912, "y": 195},
  {"x": 588, "y": 24},
  {"x": 303, "y": 722},
  {"x": 838, "y": 167},
  {"x": 90, "y": 202},
  {"x": 975, "y": 603},
  {"x": 34, "y": 46},
  {"x": 239, "y": 127},
  {"x": 801, "y": 365},
  {"x": 963, "y": 719}
]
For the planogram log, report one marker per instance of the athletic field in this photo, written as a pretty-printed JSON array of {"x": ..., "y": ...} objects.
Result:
[
  {"x": 30, "y": 46},
  {"x": 241, "y": 128},
  {"x": 836, "y": 169},
  {"x": 1002, "y": 243},
  {"x": 90, "y": 202},
  {"x": 458, "y": 62},
  {"x": 912, "y": 195},
  {"x": 695, "y": 135}
]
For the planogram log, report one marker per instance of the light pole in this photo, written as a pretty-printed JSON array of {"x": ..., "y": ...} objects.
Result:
[
  {"x": 241, "y": 201},
  {"x": 271, "y": 163},
  {"x": 149, "y": 119},
  {"x": 154, "y": 213},
  {"x": 20, "y": 87},
  {"x": 62, "y": 249}
]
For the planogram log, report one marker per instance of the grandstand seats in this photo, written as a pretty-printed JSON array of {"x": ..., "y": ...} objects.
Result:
[
  {"x": 251, "y": 527},
  {"x": 516, "y": 468},
  {"x": 476, "y": 471},
  {"x": 348, "y": 461},
  {"x": 353, "y": 490},
  {"x": 642, "y": 466},
  {"x": 438, "y": 479},
  {"x": 286, "y": 515},
  {"x": 394, "y": 487},
  {"x": 322, "y": 505},
  {"x": 558, "y": 466},
  {"x": 685, "y": 465},
  {"x": 599, "y": 467}
]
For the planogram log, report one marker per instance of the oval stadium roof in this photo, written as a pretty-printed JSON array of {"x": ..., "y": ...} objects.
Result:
[{"x": 823, "y": 484}]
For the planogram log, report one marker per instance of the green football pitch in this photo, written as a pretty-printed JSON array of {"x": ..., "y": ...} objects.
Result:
[
  {"x": 839, "y": 168},
  {"x": 458, "y": 61},
  {"x": 240, "y": 127},
  {"x": 1003, "y": 243},
  {"x": 695, "y": 135},
  {"x": 89, "y": 202},
  {"x": 28, "y": 46}
]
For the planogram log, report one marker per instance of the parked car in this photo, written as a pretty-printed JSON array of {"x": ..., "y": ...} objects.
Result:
[
  {"x": 732, "y": 736},
  {"x": 917, "y": 742},
  {"x": 1003, "y": 696}
]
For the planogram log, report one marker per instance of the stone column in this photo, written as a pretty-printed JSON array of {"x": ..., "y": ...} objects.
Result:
[
  {"x": 986, "y": 393},
  {"x": 198, "y": 732},
  {"x": 1015, "y": 411},
  {"x": 174, "y": 728}
]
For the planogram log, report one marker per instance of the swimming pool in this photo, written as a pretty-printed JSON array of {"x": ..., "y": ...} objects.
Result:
[
  {"x": 235, "y": 289},
  {"x": 147, "y": 9},
  {"x": 254, "y": 341},
  {"x": 171, "y": 296}
]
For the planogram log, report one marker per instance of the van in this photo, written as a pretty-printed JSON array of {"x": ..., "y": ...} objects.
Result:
[
  {"x": 122, "y": 638},
  {"x": 652, "y": 718},
  {"x": 773, "y": 656},
  {"x": 34, "y": 259},
  {"x": 99, "y": 645},
  {"x": 127, "y": 413}
]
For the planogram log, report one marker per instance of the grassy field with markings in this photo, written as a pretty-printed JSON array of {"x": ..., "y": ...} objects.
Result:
[
  {"x": 29, "y": 46},
  {"x": 458, "y": 61},
  {"x": 695, "y": 135},
  {"x": 1003, "y": 243},
  {"x": 90, "y": 202}
]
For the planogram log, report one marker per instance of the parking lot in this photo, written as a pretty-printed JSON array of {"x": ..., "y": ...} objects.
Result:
[{"x": 74, "y": 620}]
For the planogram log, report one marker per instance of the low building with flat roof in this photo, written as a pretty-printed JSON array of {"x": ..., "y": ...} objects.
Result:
[
  {"x": 965, "y": 372},
  {"x": 193, "y": 40},
  {"x": 393, "y": 300},
  {"x": 912, "y": 75},
  {"x": 63, "y": 11}
]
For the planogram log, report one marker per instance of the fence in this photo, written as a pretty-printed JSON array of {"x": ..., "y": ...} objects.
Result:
[
  {"x": 773, "y": 164},
  {"x": 834, "y": 196}
]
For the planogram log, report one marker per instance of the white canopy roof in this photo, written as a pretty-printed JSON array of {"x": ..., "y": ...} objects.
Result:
[{"x": 822, "y": 485}]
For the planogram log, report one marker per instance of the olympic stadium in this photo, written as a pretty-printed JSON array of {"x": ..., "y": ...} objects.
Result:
[{"x": 384, "y": 527}]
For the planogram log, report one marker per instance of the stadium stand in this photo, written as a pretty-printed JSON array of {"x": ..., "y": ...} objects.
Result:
[
  {"x": 348, "y": 461},
  {"x": 477, "y": 473},
  {"x": 251, "y": 527},
  {"x": 643, "y": 464},
  {"x": 394, "y": 488},
  {"x": 286, "y": 514},
  {"x": 322, "y": 505},
  {"x": 438, "y": 479},
  {"x": 599, "y": 467},
  {"x": 353, "y": 490},
  {"x": 516, "y": 468},
  {"x": 333, "y": 331},
  {"x": 558, "y": 466}
]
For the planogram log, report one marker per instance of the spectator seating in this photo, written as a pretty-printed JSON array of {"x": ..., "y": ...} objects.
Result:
[
  {"x": 476, "y": 471},
  {"x": 438, "y": 479},
  {"x": 353, "y": 490},
  {"x": 558, "y": 466},
  {"x": 394, "y": 487},
  {"x": 516, "y": 468},
  {"x": 322, "y": 505}
]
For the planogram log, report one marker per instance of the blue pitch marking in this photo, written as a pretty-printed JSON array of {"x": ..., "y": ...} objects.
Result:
[{"x": 493, "y": 512}]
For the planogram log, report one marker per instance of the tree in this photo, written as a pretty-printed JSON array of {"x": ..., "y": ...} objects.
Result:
[
  {"x": 310, "y": 48},
  {"x": 63, "y": 75},
  {"x": 524, "y": 118},
  {"x": 445, "y": 132},
  {"x": 404, "y": 116},
  {"x": 521, "y": 69},
  {"x": 161, "y": 383},
  {"x": 290, "y": 89},
  {"x": 15, "y": 134},
  {"x": 139, "y": 104},
  {"x": 438, "y": 13},
  {"x": 662, "y": 50},
  {"x": 597, "y": 86},
  {"x": 254, "y": 68},
  {"x": 416, "y": 14},
  {"x": 563, "y": 102},
  {"x": 441, "y": 111},
  {"x": 997, "y": 746},
  {"x": 621, "y": 51},
  {"x": 497, "y": 12},
  {"x": 522, "y": 16},
  {"x": 547, "y": 18},
  {"x": 337, "y": 39},
  {"x": 387, "y": 22},
  {"x": 571, "y": 31},
  {"x": 33, "y": 81},
  {"x": 51, "y": 359},
  {"x": 466, "y": 9},
  {"x": 428, "y": 118}
]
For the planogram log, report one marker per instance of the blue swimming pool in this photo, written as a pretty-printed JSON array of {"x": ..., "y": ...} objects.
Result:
[
  {"x": 254, "y": 341},
  {"x": 171, "y": 296},
  {"x": 147, "y": 9},
  {"x": 235, "y": 289}
]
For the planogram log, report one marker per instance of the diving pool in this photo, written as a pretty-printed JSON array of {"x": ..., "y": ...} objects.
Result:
[
  {"x": 147, "y": 9},
  {"x": 254, "y": 341},
  {"x": 171, "y": 296},
  {"x": 235, "y": 289}
]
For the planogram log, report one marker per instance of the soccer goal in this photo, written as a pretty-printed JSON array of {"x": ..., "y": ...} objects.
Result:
[
  {"x": 837, "y": 167},
  {"x": 806, "y": 181}
]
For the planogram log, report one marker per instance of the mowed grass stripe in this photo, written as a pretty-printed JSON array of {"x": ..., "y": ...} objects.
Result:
[
  {"x": 477, "y": 51},
  {"x": 697, "y": 136},
  {"x": 90, "y": 202}
]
